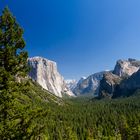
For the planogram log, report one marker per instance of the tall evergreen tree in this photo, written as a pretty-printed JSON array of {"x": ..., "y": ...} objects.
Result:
[
  {"x": 13, "y": 65},
  {"x": 20, "y": 117},
  {"x": 13, "y": 58}
]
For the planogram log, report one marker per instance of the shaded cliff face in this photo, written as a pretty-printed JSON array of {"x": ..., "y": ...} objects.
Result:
[
  {"x": 89, "y": 85},
  {"x": 129, "y": 85},
  {"x": 122, "y": 81},
  {"x": 108, "y": 85},
  {"x": 125, "y": 68},
  {"x": 45, "y": 72}
]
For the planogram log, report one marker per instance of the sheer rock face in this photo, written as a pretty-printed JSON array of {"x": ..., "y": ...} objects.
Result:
[
  {"x": 125, "y": 68},
  {"x": 108, "y": 84},
  {"x": 122, "y": 80},
  {"x": 129, "y": 85},
  {"x": 45, "y": 72},
  {"x": 89, "y": 85}
]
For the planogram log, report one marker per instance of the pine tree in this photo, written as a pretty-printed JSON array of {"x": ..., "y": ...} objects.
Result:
[
  {"x": 20, "y": 117},
  {"x": 13, "y": 65},
  {"x": 13, "y": 58}
]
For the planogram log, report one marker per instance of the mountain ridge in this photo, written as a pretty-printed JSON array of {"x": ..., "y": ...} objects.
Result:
[
  {"x": 124, "y": 79},
  {"x": 101, "y": 84}
]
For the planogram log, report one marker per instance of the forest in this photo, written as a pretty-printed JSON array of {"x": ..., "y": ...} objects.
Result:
[
  {"x": 85, "y": 119},
  {"x": 27, "y": 112}
]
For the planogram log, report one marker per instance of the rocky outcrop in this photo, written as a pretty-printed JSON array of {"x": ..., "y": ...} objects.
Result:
[
  {"x": 128, "y": 86},
  {"x": 89, "y": 85},
  {"x": 71, "y": 84},
  {"x": 45, "y": 72},
  {"x": 122, "y": 81},
  {"x": 108, "y": 85},
  {"x": 125, "y": 68}
]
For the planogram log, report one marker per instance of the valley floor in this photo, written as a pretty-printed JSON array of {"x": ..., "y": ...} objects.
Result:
[{"x": 85, "y": 119}]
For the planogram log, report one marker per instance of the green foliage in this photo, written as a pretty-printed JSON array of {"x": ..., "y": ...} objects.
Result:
[
  {"x": 13, "y": 59},
  {"x": 13, "y": 64},
  {"x": 28, "y": 112},
  {"x": 84, "y": 119}
]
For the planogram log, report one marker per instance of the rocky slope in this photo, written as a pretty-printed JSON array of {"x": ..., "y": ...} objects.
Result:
[
  {"x": 122, "y": 81},
  {"x": 125, "y": 68},
  {"x": 89, "y": 85},
  {"x": 71, "y": 84},
  {"x": 108, "y": 84},
  {"x": 129, "y": 85},
  {"x": 45, "y": 72}
]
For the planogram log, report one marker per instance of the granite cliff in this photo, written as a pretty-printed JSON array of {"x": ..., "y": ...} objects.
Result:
[{"x": 45, "y": 72}]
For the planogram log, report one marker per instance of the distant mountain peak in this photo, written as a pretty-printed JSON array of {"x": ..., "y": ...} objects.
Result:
[
  {"x": 88, "y": 85},
  {"x": 71, "y": 83},
  {"x": 125, "y": 68}
]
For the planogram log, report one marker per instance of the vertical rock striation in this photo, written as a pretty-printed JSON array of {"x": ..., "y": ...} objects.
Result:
[{"x": 45, "y": 72}]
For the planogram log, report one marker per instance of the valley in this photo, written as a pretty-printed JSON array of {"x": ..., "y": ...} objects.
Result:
[
  {"x": 85, "y": 118},
  {"x": 37, "y": 103}
]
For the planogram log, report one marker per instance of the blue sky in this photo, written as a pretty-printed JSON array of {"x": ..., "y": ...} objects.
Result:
[{"x": 82, "y": 36}]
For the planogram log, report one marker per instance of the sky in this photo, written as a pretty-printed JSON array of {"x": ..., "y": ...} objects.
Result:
[{"x": 82, "y": 36}]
